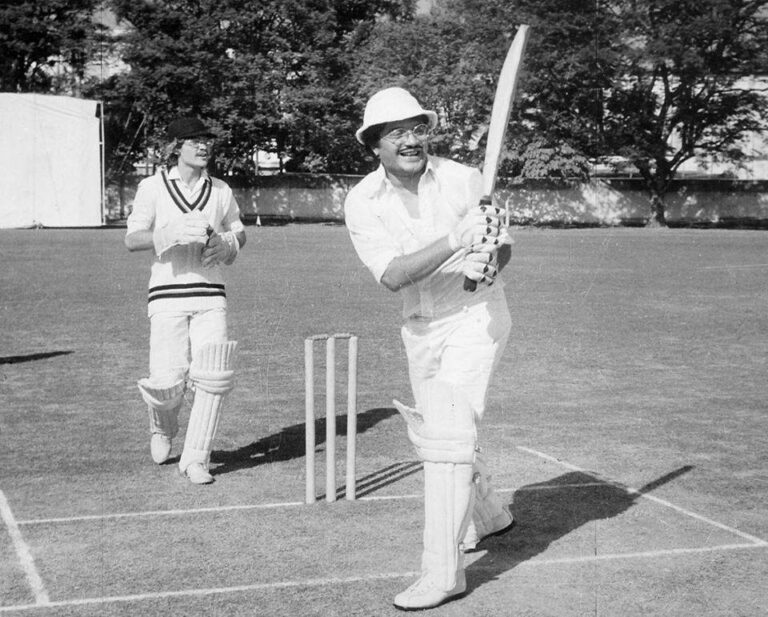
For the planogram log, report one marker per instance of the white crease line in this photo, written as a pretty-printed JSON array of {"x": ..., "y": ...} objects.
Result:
[
  {"x": 703, "y": 519},
  {"x": 264, "y": 506},
  {"x": 552, "y": 459},
  {"x": 24, "y": 554},
  {"x": 603, "y": 482},
  {"x": 739, "y": 267},
  {"x": 636, "y": 555},
  {"x": 362, "y": 579},
  {"x": 319, "y": 582},
  {"x": 149, "y": 513},
  {"x": 757, "y": 541},
  {"x": 391, "y": 497}
]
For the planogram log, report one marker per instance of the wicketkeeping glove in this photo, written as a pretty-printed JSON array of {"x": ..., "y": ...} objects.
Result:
[
  {"x": 221, "y": 248},
  {"x": 481, "y": 267},
  {"x": 481, "y": 225},
  {"x": 186, "y": 229}
]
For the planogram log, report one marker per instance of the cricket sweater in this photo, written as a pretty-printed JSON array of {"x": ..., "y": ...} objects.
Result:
[{"x": 178, "y": 281}]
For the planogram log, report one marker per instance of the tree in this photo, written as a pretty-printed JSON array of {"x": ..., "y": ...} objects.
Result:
[
  {"x": 655, "y": 81},
  {"x": 450, "y": 59},
  {"x": 272, "y": 74},
  {"x": 430, "y": 56},
  {"x": 45, "y": 46},
  {"x": 686, "y": 94}
]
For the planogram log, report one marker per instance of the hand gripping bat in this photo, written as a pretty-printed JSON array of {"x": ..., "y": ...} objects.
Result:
[{"x": 497, "y": 129}]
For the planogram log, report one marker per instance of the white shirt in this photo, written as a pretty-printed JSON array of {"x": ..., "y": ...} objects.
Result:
[
  {"x": 384, "y": 223},
  {"x": 178, "y": 281}
]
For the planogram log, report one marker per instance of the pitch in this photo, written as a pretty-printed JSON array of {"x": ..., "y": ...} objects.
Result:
[{"x": 627, "y": 424}]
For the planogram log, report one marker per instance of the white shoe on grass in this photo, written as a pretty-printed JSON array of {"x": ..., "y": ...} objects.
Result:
[
  {"x": 160, "y": 447},
  {"x": 198, "y": 474},
  {"x": 425, "y": 594}
]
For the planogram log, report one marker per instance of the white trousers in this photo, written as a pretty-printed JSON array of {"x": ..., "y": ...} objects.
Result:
[
  {"x": 175, "y": 337},
  {"x": 462, "y": 349}
]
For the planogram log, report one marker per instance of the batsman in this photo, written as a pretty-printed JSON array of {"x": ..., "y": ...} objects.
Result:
[
  {"x": 418, "y": 224},
  {"x": 191, "y": 221}
]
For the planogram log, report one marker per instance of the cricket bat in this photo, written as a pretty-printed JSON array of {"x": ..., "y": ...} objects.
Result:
[{"x": 497, "y": 129}]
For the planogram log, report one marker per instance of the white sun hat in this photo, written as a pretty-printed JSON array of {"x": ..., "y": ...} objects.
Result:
[{"x": 392, "y": 105}]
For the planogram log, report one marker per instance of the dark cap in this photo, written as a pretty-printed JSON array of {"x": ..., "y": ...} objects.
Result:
[{"x": 186, "y": 128}]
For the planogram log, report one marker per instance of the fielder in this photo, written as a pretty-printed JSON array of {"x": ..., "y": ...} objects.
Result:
[
  {"x": 192, "y": 222},
  {"x": 416, "y": 223}
]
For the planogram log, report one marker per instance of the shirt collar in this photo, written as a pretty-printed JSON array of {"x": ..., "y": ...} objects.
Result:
[
  {"x": 380, "y": 183},
  {"x": 173, "y": 174}
]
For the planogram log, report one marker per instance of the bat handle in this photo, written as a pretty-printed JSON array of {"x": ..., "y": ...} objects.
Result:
[{"x": 469, "y": 284}]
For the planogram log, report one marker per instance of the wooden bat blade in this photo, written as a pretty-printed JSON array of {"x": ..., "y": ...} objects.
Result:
[
  {"x": 502, "y": 105},
  {"x": 497, "y": 129}
]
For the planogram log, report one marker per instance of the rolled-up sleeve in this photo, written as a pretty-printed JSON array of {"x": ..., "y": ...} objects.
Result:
[
  {"x": 231, "y": 220},
  {"x": 142, "y": 216},
  {"x": 374, "y": 244}
]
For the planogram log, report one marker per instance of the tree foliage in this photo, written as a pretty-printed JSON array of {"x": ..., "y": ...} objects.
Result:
[
  {"x": 451, "y": 59},
  {"x": 686, "y": 94},
  {"x": 45, "y": 46},
  {"x": 657, "y": 82},
  {"x": 273, "y": 74}
]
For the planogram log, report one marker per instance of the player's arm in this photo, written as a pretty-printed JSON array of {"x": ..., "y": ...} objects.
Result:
[
  {"x": 139, "y": 240},
  {"x": 408, "y": 269},
  {"x": 138, "y": 236},
  {"x": 480, "y": 228},
  {"x": 223, "y": 247}
]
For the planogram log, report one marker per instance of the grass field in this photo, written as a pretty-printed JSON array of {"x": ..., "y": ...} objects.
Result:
[{"x": 627, "y": 424}]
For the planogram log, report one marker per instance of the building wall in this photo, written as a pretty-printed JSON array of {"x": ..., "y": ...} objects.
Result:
[{"x": 308, "y": 198}]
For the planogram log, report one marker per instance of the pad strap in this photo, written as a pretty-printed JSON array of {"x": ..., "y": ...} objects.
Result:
[
  {"x": 455, "y": 448},
  {"x": 215, "y": 382}
]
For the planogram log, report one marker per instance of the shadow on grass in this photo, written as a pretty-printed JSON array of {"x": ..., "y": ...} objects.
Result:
[
  {"x": 289, "y": 443},
  {"x": 31, "y": 357},
  {"x": 383, "y": 477},
  {"x": 548, "y": 511},
  {"x": 379, "y": 479}
]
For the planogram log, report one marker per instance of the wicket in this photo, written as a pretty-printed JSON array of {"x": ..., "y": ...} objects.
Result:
[{"x": 330, "y": 414}]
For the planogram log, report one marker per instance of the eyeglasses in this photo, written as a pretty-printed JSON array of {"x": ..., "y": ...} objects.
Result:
[
  {"x": 420, "y": 132},
  {"x": 197, "y": 142}
]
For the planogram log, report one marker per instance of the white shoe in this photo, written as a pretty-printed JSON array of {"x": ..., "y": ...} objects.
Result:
[
  {"x": 198, "y": 474},
  {"x": 160, "y": 447},
  {"x": 500, "y": 525},
  {"x": 424, "y": 594}
]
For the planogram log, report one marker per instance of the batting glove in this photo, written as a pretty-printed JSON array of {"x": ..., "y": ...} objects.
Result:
[
  {"x": 481, "y": 267},
  {"x": 481, "y": 225},
  {"x": 186, "y": 229},
  {"x": 221, "y": 248}
]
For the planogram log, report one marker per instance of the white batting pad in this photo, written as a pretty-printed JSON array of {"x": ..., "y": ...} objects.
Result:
[
  {"x": 448, "y": 495},
  {"x": 444, "y": 430},
  {"x": 163, "y": 402},
  {"x": 488, "y": 513},
  {"x": 212, "y": 375}
]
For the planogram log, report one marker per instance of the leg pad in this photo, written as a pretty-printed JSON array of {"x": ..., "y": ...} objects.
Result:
[
  {"x": 443, "y": 430},
  {"x": 212, "y": 375},
  {"x": 163, "y": 402}
]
